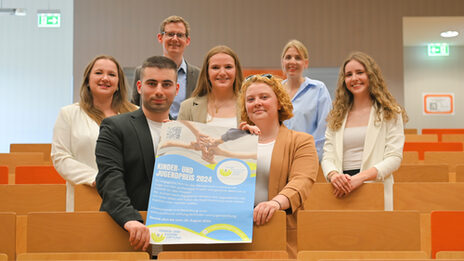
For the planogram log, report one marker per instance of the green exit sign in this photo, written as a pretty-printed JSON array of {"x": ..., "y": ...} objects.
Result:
[
  {"x": 49, "y": 19},
  {"x": 438, "y": 49}
]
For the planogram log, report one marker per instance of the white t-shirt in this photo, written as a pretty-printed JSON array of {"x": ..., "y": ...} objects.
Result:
[
  {"x": 263, "y": 167},
  {"x": 155, "y": 130}
]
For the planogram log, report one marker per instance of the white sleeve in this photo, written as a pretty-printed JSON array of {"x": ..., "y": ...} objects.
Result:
[
  {"x": 393, "y": 153},
  {"x": 329, "y": 156},
  {"x": 63, "y": 157}
]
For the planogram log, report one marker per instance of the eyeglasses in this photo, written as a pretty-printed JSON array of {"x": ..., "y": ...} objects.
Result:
[
  {"x": 172, "y": 34},
  {"x": 267, "y": 75}
]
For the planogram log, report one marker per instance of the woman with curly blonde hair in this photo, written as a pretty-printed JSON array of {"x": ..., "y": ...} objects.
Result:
[
  {"x": 365, "y": 134},
  {"x": 287, "y": 159}
]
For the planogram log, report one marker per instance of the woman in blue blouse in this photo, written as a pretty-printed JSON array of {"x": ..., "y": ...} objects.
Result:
[{"x": 310, "y": 98}]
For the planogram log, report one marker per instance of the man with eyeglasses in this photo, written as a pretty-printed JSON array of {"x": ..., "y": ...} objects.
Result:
[{"x": 174, "y": 36}]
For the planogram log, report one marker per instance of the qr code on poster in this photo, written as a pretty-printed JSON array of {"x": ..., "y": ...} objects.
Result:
[{"x": 173, "y": 133}]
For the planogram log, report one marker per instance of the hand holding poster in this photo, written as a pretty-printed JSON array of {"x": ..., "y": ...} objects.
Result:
[{"x": 203, "y": 185}]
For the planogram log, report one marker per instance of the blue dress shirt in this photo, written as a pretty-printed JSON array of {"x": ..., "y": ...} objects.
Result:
[
  {"x": 180, "y": 97},
  {"x": 311, "y": 105}
]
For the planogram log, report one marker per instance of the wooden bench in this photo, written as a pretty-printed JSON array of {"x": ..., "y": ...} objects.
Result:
[
  {"x": 370, "y": 196},
  {"x": 8, "y": 234},
  {"x": 410, "y": 131},
  {"x": 453, "y": 138},
  {"x": 86, "y": 198},
  {"x": 3, "y": 174},
  {"x": 23, "y": 199},
  {"x": 421, "y": 138},
  {"x": 120, "y": 256},
  {"x": 452, "y": 158},
  {"x": 14, "y": 159},
  {"x": 358, "y": 231},
  {"x": 440, "y": 132},
  {"x": 75, "y": 232},
  {"x": 423, "y": 147},
  {"x": 361, "y": 255},
  {"x": 422, "y": 173},
  {"x": 450, "y": 255},
  {"x": 44, "y": 148},
  {"x": 426, "y": 197},
  {"x": 410, "y": 157},
  {"x": 459, "y": 172},
  {"x": 447, "y": 231},
  {"x": 37, "y": 175}
]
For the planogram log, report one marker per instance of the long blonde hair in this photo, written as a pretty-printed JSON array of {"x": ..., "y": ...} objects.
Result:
[
  {"x": 384, "y": 103},
  {"x": 120, "y": 104}
]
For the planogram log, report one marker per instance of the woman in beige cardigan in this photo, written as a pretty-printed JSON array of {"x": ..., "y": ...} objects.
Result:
[
  {"x": 365, "y": 135},
  {"x": 287, "y": 159},
  {"x": 214, "y": 100}
]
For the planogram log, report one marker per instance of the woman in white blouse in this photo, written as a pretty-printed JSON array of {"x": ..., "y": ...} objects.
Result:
[
  {"x": 365, "y": 135},
  {"x": 214, "y": 100},
  {"x": 103, "y": 94}
]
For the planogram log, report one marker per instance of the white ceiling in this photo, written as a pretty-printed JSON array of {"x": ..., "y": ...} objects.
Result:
[{"x": 419, "y": 31}]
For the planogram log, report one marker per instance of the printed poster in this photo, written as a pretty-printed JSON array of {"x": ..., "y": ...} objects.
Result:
[{"x": 203, "y": 185}]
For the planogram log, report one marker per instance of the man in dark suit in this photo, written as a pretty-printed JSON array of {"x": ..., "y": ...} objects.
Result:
[
  {"x": 174, "y": 36},
  {"x": 126, "y": 149}
]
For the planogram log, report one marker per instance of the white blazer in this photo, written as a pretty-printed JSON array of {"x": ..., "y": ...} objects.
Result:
[
  {"x": 383, "y": 149},
  {"x": 73, "y": 149}
]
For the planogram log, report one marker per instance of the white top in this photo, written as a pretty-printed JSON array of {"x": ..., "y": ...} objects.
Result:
[
  {"x": 73, "y": 149},
  {"x": 221, "y": 122},
  {"x": 155, "y": 131},
  {"x": 383, "y": 150},
  {"x": 353, "y": 145},
  {"x": 263, "y": 167}
]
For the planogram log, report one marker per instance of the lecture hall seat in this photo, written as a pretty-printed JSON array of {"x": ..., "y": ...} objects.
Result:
[
  {"x": 367, "y": 197},
  {"x": 440, "y": 132},
  {"x": 44, "y": 148},
  {"x": 8, "y": 235},
  {"x": 422, "y": 173},
  {"x": 447, "y": 231},
  {"x": 3, "y": 175},
  {"x": 423, "y": 147},
  {"x": 37, "y": 175},
  {"x": 358, "y": 230}
]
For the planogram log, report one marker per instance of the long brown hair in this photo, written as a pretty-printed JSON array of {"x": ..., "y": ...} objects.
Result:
[
  {"x": 204, "y": 86},
  {"x": 384, "y": 103},
  {"x": 119, "y": 104}
]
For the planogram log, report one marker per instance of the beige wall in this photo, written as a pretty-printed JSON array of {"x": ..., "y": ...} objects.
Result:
[
  {"x": 256, "y": 29},
  {"x": 425, "y": 74}
]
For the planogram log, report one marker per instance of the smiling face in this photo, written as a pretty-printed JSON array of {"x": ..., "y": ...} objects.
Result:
[
  {"x": 221, "y": 71},
  {"x": 103, "y": 78},
  {"x": 174, "y": 39},
  {"x": 293, "y": 63},
  {"x": 261, "y": 103},
  {"x": 356, "y": 78}
]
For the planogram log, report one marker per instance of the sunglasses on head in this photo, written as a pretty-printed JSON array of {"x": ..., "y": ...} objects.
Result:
[{"x": 267, "y": 75}]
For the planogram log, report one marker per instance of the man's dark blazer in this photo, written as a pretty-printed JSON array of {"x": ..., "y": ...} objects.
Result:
[
  {"x": 192, "y": 77},
  {"x": 125, "y": 159}
]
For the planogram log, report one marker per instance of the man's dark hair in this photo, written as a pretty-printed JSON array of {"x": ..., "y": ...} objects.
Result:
[{"x": 159, "y": 62}]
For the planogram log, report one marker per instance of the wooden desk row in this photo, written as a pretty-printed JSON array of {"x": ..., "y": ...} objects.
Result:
[
  {"x": 421, "y": 196},
  {"x": 321, "y": 235}
]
